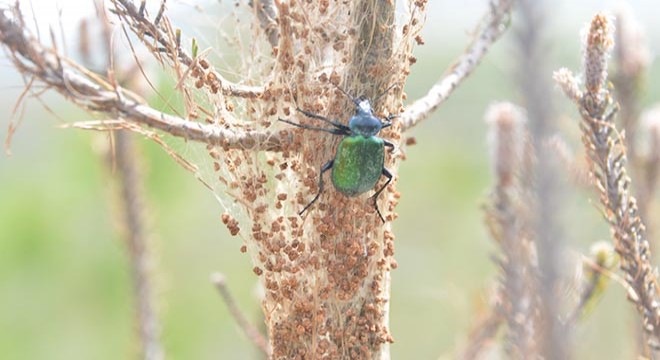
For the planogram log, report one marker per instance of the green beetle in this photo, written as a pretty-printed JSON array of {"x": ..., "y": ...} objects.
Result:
[{"x": 359, "y": 160}]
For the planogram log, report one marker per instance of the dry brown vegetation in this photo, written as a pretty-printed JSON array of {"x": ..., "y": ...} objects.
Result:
[{"x": 326, "y": 274}]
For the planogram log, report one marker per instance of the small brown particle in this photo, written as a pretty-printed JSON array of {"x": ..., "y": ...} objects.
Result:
[
  {"x": 231, "y": 224},
  {"x": 257, "y": 270},
  {"x": 419, "y": 40},
  {"x": 244, "y": 249},
  {"x": 300, "y": 330},
  {"x": 211, "y": 77},
  {"x": 411, "y": 141}
]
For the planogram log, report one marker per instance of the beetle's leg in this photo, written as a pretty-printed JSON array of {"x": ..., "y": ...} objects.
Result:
[
  {"x": 388, "y": 120},
  {"x": 325, "y": 119},
  {"x": 389, "y": 145},
  {"x": 391, "y": 117},
  {"x": 388, "y": 175},
  {"x": 324, "y": 168},
  {"x": 308, "y": 127}
]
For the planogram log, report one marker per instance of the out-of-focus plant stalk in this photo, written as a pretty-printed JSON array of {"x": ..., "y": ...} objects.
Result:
[
  {"x": 536, "y": 90},
  {"x": 508, "y": 220},
  {"x": 607, "y": 160}
]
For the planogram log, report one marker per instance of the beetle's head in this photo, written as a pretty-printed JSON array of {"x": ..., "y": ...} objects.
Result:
[{"x": 363, "y": 106}]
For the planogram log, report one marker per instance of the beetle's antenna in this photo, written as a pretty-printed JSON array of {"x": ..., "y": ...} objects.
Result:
[
  {"x": 384, "y": 92},
  {"x": 338, "y": 131},
  {"x": 354, "y": 100}
]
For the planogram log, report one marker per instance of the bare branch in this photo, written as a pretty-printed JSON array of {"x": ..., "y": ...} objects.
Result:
[
  {"x": 490, "y": 30},
  {"x": 92, "y": 92},
  {"x": 159, "y": 40},
  {"x": 250, "y": 331}
]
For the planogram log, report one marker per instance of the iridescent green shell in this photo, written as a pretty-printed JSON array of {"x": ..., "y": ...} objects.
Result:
[{"x": 358, "y": 164}]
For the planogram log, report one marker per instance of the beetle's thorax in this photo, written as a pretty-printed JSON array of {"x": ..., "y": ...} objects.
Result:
[{"x": 364, "y": 122}]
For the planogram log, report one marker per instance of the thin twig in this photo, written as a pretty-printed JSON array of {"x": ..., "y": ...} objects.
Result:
[
  {"x": 490, "y": 30},
  {"x": 165, "y": 42},
  {"x": 250, "y": 331},
  {"x": 20, "y": 104},
  {"x": 92, "y": 92}
]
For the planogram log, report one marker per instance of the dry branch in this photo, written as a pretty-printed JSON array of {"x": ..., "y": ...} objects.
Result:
[
  {"x": 607, "y": 155},
  {"x": 157, "y": 36},
  {"x": 94, "y": 93},
  {"x": 491, "y": 29},
  {"x": 248, "y": 329}
]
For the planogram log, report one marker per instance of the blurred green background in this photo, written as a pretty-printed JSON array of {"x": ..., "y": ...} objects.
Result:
[{"x": 65, "y": 290}]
